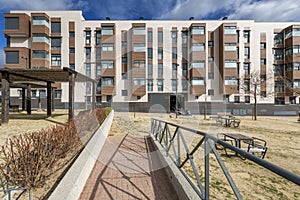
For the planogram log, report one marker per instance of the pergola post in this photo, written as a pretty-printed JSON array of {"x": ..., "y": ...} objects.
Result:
[
  {"x": 52, "y": 102},
  {"x": 5, "y": 98},
  {"x": 28, "y": 99},
  {"x": 23, "y": 99},
  {"x": 93, "y": 95},
  {"x": 49, "y": 97},
  {"x": 71, "y": 95}
]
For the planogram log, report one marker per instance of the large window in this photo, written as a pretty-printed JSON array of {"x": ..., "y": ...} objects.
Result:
[
  {"x": 296, "y": 83},
  {"x": 184, "y": 36},
  {"x": 198, "y": 30},
  {"x": 36, "y": 37},
  {"x": 278, "y": 70},
  {"x": 108, "y": 47},
  {"x": 160, "y": 53},
  {"x": 55, "y": 27},
  {"x": 150, "y": 85},
  {"x": 174, "y": 52},
  {"x": 139, "y": 64},
  {"x": 279, "y": 86},
  {"x": 57, "y": 94},
  {"x": 55, "y": 60},
  {"x": 197, "y": 47},
  {"x": 88, "y": 52},
  {"x": 88, "y": 37},
  {"x": 150, "y": 69},
  {"x": 139, "y": 47},
  {"x": 279, "y": 101},
  {"x": 174, "y": 69},
  {"x": 71, "y": 34},
  {"x": 247, "y": 85},
  {"x": 198, "y": 64},
  {"x": 139, "y": 81},
  {"x": 107, "y": 30},
  {"x": 174, "y": 84},
  {"x": 278, "y": 54},
  {"x": 229, "y": 30},
  {"x": 262, "y": 45},
  {"x": 197, "y": 81},
  {"x": 174, "y": 37},
  {"x": 150, "y": 36},
  {"x": 98, "y": 69},
  {"x": 246, "y": 36},
  {"x": 150, "y": 53},
  {"x": 160, "y": 85},
  {"x": 229, "y": 47},
  {"x": 107, "y": 81},
  {"x": 40, "y": 20},
  {"x": 88, "y": 70},
  {"x": 55, "y": 43},
  {"x": 184, "y": 69},
  {"x": 40, "y": 54},
  {"x": 42, "y": 93},
  {"x": 98, "y": 37},
  {"x": 247, "y": 53},
  {"x": 107, "y": 64},
  {"x": 292, "y": 33},
  {"x": 184, "y": 84},
  {"x": 12, "y": 57},
  {"x": 139, "y": 31},
  {"x": 230, "y": 64},
  {"x": 160, "y": 37},
  {"x": 160, "y": 69},
  {"x": 229, "y": 80},
  {"x": 246, "y": 68},
  {"x": 12, "y": 23},
  {"x": 278, "y": 38}
]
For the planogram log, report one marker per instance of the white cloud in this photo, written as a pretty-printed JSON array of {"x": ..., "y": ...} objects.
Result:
[
  {"x": 1, "y": 58},
  {"x": 42, "y": 4}
]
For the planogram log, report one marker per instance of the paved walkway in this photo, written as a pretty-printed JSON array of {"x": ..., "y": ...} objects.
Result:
[{"x": 124, "y": 171}]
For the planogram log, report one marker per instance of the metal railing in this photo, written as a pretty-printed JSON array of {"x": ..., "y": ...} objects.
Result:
[{"x": 172, "y": 141}]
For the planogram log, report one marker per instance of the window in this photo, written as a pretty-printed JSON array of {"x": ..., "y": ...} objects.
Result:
[
  {"x": 124, "y": 93},
  {"x": 12, "y": 57},
  {"x": 98, "y": 52},
  {"x": 12, "y": 23},
  {"x": 226, "y": 98},
  {"x": 210, "y": 43},
  {"x": 109, "y": 98},
  {"x": 42, "y": 93},
  {"x": 71, "y": 34},
  {"x": 279, "y": 86},
  {"x": 150, "y": 85},
  {"x": 72, "y": 66},
  {"x": 55, "y": 27},
  {"x": 278, "y": 54},
  {"x": 229, "y": 30},
  {"x": 174, "y": 52},
  {"x": 124, "y": 60},
  {"x": 246, "y": 36},
  {"x": 278, "y": 38},
  {"x": 40, "y": 54},
  {"x": 160, "y": 69},
  {"x": 174, "y": 37},
  {"x": 247, "y": 85},
  {"x": 184, "y": 36},
  {"x": 37, "y": 37},
  {"x": 293, "y": 32},
  {"x": 139, "y": 81},
  {"x": 246, "y": 69},
  {"x": 160, "y": 85},
  {"x": 247, "y": 99},
  {"x": 197, "y": 47},
  {"x": 124, "y": 44},
  {"x": 279, "y": 101},
  {"x": 160, "y": 37},
  {"x": 296, "y": 83},
  {"x": 139, "y": 47},
  {"x": 174, "y": 69},
  {"x": 107, "y": 30},
  {"x": 197, "y": 64},
  {"x": 174, "y": 84},
  {"x": 230, "y": 64},
  {"x": 238, "y": 52},
  {"x": 107, "y": 64},
  {"x": 107, "y": 81},
  {"x": 33, "y": 94},
  {"x": 124, "y": 76},
  {"x": 57, "y": 94},
  {"x": 229, "y": 80},
  {"x": 55, "y": 43},
  {"x": 98, "y": 69},
  {"x": 263, "y": 94},
  {"x": 278, "y": 70},
  {"x": 150, "y": 69},
  {"x": 87, "y": 37},
  {"x": 88, "y": 88},
  {"x": 211, "y": 75},
  {"x": 230, "y": 47},
  {"x": 184, "y": 69},
  {"x": 160, "y": 53},
  {"x": 184, "y": 53},
  {"x": 55, "y": 60},
  {"x": 262, "y": 45},
  {"x": 197, "y": 81},
  {"x": 98, "y": 37},
  {"x": 150, "y": 36},
  {"x": 247, "y": 53},
  {"x": 88, "y": 52},
  {"x": 263, "y": 61},
  {"x": 236, "y": 99},
  {"x": 108, "y": 47},
  {"x": 88, "y": 70},
  {"x": 184, "y": 84},
  {"x": 150, "y": 53},
  {"x": 211, "y": 92},
  {"x": 198, "y": 30},
  {"x": 296, "y": 66},
  {"x": 139, "y": 64},
  {"x": 71, "y": 50},
  {"x": 40, "y": 20},
  {"x": 292, "y": 100},
  {"x": 139, "y": 31}
]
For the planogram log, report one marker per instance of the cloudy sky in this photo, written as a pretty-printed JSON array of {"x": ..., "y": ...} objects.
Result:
[{"x": 259, "y": 10}]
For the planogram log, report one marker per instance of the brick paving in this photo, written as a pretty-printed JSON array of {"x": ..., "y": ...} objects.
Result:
[{"x": 124, "y": 170}]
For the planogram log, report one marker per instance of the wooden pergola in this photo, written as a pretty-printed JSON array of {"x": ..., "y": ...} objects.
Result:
[{"x": 27, "y": 78}]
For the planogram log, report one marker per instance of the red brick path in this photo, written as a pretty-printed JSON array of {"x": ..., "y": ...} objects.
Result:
[{"x": 123, "y": 171}]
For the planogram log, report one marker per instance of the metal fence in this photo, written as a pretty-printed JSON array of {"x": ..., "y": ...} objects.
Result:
[{"x": 173, "y": 142}]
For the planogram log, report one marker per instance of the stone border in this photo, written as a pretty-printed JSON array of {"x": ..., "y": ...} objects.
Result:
[{"x": 72, "y": 184}]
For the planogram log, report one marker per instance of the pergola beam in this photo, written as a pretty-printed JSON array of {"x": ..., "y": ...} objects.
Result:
[
  {"x": 49, "y": 97},
  {"x": 28, "y": 100},
  {"x": 71, "y": 95},
  {"x": 5, "y": 97}
]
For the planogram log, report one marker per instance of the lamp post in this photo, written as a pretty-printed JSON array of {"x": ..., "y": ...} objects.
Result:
[{"x": 26, "y": 58}]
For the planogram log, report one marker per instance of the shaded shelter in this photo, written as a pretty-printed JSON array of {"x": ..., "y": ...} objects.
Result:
[{"x": 25, "y": 78}]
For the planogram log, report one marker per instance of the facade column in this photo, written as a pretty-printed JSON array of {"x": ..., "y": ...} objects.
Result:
[
  {"x": 49, "y": 97},
  {"x": 28, "y": 100},
  {"x": 71, "y": 95},
  {"x": 5, "y": 98},
  {"x": 23, "y": 99},
  {"x": 93, "y": 95}
]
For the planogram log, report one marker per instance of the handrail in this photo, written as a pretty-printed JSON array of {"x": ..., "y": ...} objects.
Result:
[{"x": 160, "y": 129}]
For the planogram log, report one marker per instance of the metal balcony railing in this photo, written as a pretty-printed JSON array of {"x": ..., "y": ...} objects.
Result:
[{"x": 172, "y": 143}]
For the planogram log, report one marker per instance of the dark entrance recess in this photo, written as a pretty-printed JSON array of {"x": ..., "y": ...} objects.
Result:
[{"x": 172, "y": 103}]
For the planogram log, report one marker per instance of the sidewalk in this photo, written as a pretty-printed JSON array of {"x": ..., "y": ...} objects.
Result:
[{"x": 123, "y": 171}]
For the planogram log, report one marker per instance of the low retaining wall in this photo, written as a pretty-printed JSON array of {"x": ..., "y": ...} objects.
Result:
[{"x": 71, "y": 186}]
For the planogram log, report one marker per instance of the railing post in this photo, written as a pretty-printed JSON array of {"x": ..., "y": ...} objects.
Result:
[
  {"x": 206, "y": 152},
  {"x": 178, "y": 147}
]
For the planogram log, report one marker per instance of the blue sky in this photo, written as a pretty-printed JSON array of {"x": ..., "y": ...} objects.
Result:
[{"x": 259, "y": 10}]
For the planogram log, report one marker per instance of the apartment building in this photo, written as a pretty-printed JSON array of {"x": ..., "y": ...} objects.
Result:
[{"x": 169, "y": 63}]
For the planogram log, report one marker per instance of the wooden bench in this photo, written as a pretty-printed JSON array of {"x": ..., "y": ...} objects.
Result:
[{"x": 14, "y": 108}]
